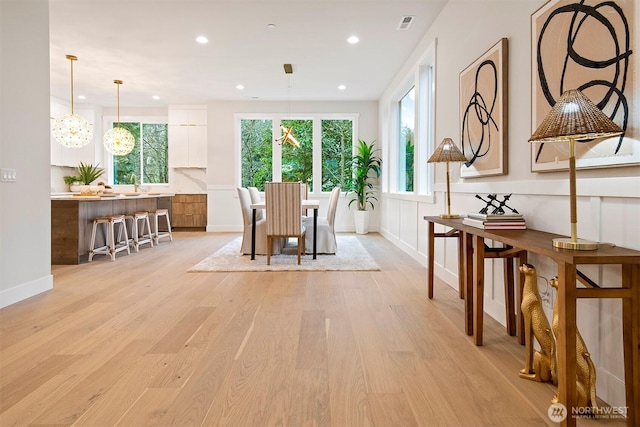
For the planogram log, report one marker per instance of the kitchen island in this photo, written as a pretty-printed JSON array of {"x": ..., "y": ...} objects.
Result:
[{"x": 72, "y": 220}]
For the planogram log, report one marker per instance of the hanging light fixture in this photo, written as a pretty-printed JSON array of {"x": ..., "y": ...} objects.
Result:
[
  {"x": 117, "y": 140},
  {"x": 71, "y": 130},
  {"x": 287, "y": 132}
]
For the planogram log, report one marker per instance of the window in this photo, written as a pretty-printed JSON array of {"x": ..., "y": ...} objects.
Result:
[
  {"x": 256, "y": 152},
  {"x": 337, "y": 150},
  {"x": 297, "y": 163},
  {"x": 322, "y": 161},
  {"x": 407, "y": 124},
  {"x": 148, "y": 162}
]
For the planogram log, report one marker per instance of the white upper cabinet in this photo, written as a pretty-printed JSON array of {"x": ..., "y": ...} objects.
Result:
[
  {"x": 71, "y": 157},
  {"x": 188, "y": 136}
]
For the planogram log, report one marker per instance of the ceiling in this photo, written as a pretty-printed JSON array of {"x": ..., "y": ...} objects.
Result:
[{"x": 150, "y": 46}]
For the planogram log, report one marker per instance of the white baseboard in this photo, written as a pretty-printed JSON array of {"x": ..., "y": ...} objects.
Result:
[{"x": 25, "y": 290}]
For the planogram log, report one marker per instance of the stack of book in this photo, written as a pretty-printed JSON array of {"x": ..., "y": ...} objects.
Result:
[{"x": 495, "y": 221}]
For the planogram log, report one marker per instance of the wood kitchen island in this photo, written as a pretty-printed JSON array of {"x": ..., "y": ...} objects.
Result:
[{"x": 72, "y": 220}]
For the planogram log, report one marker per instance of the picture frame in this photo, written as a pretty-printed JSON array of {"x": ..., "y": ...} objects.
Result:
[
  {"x": 483, "y": 113},
  {"x": 590, "y": 46}
]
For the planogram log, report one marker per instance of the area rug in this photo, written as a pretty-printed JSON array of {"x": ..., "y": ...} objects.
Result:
[{"x": 351, "y": 255}]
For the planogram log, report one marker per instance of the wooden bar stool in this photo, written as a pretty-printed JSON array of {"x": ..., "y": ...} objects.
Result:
[
  {"x": 156, "y": 230},
  {"x": 139, "y": 224},
  {"x": 112, "y": 246}
]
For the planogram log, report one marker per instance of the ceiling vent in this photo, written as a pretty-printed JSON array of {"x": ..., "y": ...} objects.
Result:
[{"x": 406, "y": 22}]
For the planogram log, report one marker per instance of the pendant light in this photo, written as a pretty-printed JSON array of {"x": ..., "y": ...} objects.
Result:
[
  {"x": 71, "y": 130},
  {"x": 118, "y": 141},
  {"x": 287, "y": 132}
]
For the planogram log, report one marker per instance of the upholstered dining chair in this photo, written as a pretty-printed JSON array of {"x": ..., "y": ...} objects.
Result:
[
  {"x": 326, "y": 237},
  {"x": 284, "y": 214},
  {"x": 261, "y": 228},
  {"x": 255, "y": 198}
]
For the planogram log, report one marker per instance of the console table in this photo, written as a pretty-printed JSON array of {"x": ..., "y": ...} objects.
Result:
[{"x": 472, "y": 260}]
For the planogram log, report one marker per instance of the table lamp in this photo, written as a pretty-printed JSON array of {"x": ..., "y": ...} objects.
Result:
[
  {"x": 574, "y": 117},
  {"x": 445, "y": 153}
]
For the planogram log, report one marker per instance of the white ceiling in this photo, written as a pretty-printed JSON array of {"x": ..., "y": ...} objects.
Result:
[{"x": 150, "y": 46}]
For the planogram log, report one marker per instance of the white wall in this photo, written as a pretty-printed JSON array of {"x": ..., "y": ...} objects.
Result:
[
  {"x": 25, "y": 209},
  {"x": 223, "y": 163},
  {"x": 608, "y": 199}
]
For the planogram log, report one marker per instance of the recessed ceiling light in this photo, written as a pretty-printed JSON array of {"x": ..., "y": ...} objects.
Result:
[
  {"x": 271, "y": 26},
  {"x": 155, "y": 97},
  {"x": 353, "y": 39},
  {"x": 342, "y": 87},
  {"x": 82, "y": 97},
  {"x": 202, "y": 40},
  {"x": 239, "y": 87}
]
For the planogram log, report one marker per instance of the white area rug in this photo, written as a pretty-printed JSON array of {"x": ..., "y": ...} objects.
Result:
[{"x": 351, "y": 255}]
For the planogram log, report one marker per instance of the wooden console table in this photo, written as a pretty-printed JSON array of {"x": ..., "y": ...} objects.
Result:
[{"x": 568, "y": 275}]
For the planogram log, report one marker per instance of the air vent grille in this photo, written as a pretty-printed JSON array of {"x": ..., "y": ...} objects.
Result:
[{"x": 406, "y": 22}]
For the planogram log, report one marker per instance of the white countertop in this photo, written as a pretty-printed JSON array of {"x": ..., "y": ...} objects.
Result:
[{"x": 112, "y": 196}]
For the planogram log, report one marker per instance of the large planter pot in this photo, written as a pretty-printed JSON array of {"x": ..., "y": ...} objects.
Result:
[{"x": 362, "y": 221}]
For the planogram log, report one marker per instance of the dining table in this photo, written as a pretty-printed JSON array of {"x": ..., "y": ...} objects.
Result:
[{"x": 306, "y": 204}]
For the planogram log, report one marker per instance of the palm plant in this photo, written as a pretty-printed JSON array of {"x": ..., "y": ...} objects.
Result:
[{"x": 365, "y": 165}]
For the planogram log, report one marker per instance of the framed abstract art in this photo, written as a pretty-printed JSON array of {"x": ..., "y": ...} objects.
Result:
[
  {"x": 587, "y": 45},
  {"x": 483, "y": 113}
]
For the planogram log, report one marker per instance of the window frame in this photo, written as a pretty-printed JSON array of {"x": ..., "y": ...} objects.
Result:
[
  {"x": 109, "y": 121},
  {"x": 423, "y": 76},
  {"x": 276, "y": 120}
]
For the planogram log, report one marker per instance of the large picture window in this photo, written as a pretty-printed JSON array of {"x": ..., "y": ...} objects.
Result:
[
  {"x": 148, "y": 162},
  {"x": 322, "y": 161}
]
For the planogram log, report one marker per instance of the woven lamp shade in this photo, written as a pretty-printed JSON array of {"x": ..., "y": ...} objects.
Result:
[
  {"x": 447, "y": 151},
  {"x": 574, "y": 116}
]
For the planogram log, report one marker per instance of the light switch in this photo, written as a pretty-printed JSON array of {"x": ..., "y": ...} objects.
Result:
[{"x": 7, "y": 175}]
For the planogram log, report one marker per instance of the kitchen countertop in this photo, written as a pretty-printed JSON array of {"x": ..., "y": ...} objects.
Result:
[{"x": 109, "y": 196}]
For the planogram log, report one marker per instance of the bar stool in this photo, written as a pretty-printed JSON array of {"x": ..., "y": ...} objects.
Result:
[
  {"x": 140, "y": 222},
  {"x": 156, "y": 230},
  {"x": 112, "y": 246}
]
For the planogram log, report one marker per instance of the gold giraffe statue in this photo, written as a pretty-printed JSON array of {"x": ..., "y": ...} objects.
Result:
[
  {"x": 538, "y": 365},
  {"x": 585, "y": 369}
]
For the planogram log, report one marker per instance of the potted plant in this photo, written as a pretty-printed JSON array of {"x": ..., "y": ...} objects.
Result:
[
  {"x": 366, "y": 169},
  {"x": 87, "y": 173},
  {"x": 72, "y": 181}
]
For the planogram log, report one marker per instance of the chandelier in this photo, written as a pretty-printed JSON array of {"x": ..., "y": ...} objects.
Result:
[
  {"x": 287, "y": 132},
  {"x": 72, "y": 130},
  {"x": 118, "y": 141}
]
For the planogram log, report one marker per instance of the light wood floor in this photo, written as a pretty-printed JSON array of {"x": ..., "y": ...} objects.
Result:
[{"x": 141, "y": 342}]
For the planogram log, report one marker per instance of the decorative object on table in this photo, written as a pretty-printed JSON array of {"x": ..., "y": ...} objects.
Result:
[
  {"x": 498, "y": 209},
  {"x": 483, "y": 111},
  {"x": 574, "y": 117},
  {"x": 287, "y": 132},
  {"x": 73, "y": 182},
  {"x": 366, "y": 167},
  {"x": 84, "y": 177},
  {"x": 587, "y": 45},
  {"x": 118, "y": 141},
  {"x": 495, "y": 222},
  {"x": 445, "y": 153},
  {"x": 585, "y": 368},
  {"x": 538, "y": 365},
  {"x": 72, "y": 130}
]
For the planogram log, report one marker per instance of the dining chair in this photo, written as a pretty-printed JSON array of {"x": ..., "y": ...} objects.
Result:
[
  {"x": 326, "y": 235},
  {"x": 284, "y": 214},
  {"x": 255, "y": 198},
  {"x": 261, "y": 228}
]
